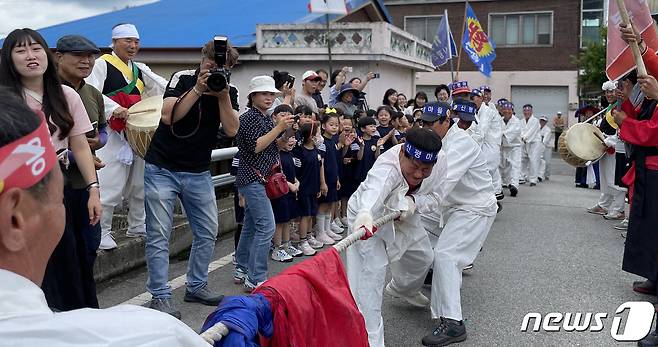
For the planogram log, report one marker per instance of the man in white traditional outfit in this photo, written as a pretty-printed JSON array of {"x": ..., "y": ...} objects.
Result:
[
  {"x": 404, "y": 178},
  {"x": 123, "y": 82},
  {"x": 469, "y": 209},
  {"x": 546, "y": 140},
  {"x": 532, "y": 146},
  {"x": 490, "y": 126},
  {"x": 510, "y": 153}
]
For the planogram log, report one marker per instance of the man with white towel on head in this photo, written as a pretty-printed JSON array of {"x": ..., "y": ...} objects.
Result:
[{"x": 123, "y": 83}]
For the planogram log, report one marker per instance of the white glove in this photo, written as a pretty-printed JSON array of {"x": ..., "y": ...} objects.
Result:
[
  {"x": 411, "y": 208},
  {"x": 610, "y": 141},
  {"x": 364, "y": 220}
]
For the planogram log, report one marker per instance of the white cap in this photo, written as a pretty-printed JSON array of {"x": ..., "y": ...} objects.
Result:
[
  {"x": 609, "y": 85},
  {"x": 544, "y": 118},
  {"x": 262, "y": 84},
  {"x": 559, "y": 112},
  {"x": 310, "y": 75}
]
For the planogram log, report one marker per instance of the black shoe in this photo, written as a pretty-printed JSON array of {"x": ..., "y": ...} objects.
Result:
[
  {"x": 203, "y": 296},
  {"x": 649, "y": 340},
  {"x": 540, "y": 179},
  {"x": 513, "y": 190},
  {"x": 428, "y": 278},
  {"x": 533, "y": 184},
  {"x": 500, "y": 207},
  {"x": 447, "y": 332},
  {"x": 500, "y": 196}
]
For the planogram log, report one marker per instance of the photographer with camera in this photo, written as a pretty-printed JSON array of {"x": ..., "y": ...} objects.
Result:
[{"x": 196, "y": 103}]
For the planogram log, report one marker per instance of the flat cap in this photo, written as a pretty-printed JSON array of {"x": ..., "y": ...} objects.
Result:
[{"x": 76, "y": 43}]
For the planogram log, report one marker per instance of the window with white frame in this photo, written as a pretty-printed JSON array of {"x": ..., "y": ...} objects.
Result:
[
  {"x": 525, "y": 29},
  {"x": 423, "y": 27},
  {"x": 591, "y": 19}
]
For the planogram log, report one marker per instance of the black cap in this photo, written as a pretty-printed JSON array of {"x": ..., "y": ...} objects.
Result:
[{"x": 76, "y": 43}]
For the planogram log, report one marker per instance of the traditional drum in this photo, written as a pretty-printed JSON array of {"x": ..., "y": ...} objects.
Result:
[
  {"x": 143, "y": 119},
  {"x": 581, "y": 143}
]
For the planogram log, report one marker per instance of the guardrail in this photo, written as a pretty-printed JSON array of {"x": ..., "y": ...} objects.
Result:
[{"x": 223, "y": 154}]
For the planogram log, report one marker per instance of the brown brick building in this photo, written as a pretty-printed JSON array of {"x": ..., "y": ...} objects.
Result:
[{"x": 537, "y": 42}]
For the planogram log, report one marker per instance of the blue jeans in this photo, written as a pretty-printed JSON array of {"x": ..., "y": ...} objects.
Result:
[
  {"x": 257, "y": 232},
  {"x": 197, "y": 193}
]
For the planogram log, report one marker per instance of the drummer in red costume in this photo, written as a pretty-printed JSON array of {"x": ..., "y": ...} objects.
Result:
[
  {"x": 639, "y": 128},
  {"x": 123, "y": 83}
]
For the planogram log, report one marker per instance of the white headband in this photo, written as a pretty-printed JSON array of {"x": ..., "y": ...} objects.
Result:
[{"x": 124, "y": 31}]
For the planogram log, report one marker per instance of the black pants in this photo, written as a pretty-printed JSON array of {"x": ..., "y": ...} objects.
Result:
[
  {"x": 69, "y": 279},
  {"x": 557, "y": 137}
]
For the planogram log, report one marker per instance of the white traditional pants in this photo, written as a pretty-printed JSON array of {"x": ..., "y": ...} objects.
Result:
[
  {"x": 492, "y": 154},
  {"x": 458, "y": 245},
  {"x": 119, "y": 181},
  {"x": 545, "y": 166},
  {"x": 510, "y": 165},
  {"x": 612, "y": 196},
  {"x": 532, "y": 152},
  {"x": 367, "y": 262}
]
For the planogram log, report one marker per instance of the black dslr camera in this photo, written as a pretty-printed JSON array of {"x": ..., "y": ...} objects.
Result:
[{"x": 219, "y": 77}]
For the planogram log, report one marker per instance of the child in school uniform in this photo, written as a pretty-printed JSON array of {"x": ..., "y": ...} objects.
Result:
[
  {"x": 385, "y": 128},
  {"x": 309, "y": 172},
  {"x": 285, "y": 207},
  {"x": 369, "y": 148},
  {"x": 349, "y": 148},
  {"x": 328, "y": 201}
]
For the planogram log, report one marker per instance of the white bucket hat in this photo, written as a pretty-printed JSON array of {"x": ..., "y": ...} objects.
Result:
[{"x": 262, "y": 84}]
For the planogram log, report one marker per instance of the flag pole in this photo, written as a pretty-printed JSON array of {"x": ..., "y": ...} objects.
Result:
[
  {"x": 329, "y": 42},
  {"x": 452, "y": 70},
  {"x": 459, "y": 56},
  {"x": 635, "y": 49}
]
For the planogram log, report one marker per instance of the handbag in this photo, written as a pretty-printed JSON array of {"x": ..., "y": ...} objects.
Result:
[{"x": 276, "y": 185}]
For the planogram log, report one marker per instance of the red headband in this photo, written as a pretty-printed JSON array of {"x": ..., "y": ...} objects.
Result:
[{"x": 24, "y": 162}]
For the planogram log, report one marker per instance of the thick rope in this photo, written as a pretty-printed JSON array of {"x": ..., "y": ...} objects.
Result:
[{"x": 219, "y": 330}]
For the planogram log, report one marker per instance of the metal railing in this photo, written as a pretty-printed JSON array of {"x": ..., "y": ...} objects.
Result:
[{"x": 223, "y": 154}]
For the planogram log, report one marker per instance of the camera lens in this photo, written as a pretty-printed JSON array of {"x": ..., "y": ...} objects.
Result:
[{"x": 216, "y": 81}]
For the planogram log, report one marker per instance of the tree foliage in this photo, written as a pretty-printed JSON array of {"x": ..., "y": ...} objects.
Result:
[{"x": 591, "y": 63}]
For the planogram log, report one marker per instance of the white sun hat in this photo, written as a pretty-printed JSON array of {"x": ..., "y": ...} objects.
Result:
[{"x": 262, "y": 84}]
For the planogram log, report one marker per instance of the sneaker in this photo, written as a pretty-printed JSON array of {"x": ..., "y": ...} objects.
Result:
[
  {"x": 597, "y": 210},
  {"x": 622, "y": 226},
  {"x": 293, "y": 251},
  {"x": 333, "y": 235},
  {"x": 417, "y": 300},
  {"x": 165, "y": 305},
  {"x": 239, "y": 275},
  {"x": 468, "y": 267},
  {"x": 250, "y": 286},
  {"x": 281, "y": 255},
  {"x": 335, "y": 228},
  {"x": 203, "y": 296},
  {"x": 325, "y": 239},
  {"x": 513, "y": 190},
  {"x": 139, "y": 231},
  {"x": 107, "y": 243},
  {"x": 314, "y": 243},
  {"x": 615, "y": 215},
  {"x": 306, "y": 248},
  {"x": 447, "y": 332}
]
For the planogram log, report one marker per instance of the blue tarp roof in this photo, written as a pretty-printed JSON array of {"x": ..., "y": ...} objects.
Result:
[{"x": 191, "y": 23}]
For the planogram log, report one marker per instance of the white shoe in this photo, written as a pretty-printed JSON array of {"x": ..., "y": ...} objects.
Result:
[
  {"x": 333, "y": 235},
  {"x": 279, "y": 254},
  {"x": 306, "y": 248},
  {"x": 326, "y": 239},
  {"x": 417, "y": 300},
  {"x": 292, "y": 250},
  {"x": 314, "y": 243},
  {"x": 335, "y": 228},
  {"x": 139, "y": 231},
  {"x": 107, "y": 243}
]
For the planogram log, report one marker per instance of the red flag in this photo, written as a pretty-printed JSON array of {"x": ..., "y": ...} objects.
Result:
[{"x": 619, "y": 59}]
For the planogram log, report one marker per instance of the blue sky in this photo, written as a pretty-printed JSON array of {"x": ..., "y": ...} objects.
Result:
[{"x": 37, "y": 14}]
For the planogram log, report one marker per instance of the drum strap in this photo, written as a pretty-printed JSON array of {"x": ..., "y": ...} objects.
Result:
[{"x": 173, "y": 112}]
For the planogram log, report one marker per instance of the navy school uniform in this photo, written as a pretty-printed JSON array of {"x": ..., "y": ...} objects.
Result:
[
  {"x": 331, "y": 168},
  {"x": 348, "y": 164},
  {"x": 383, "y": 131},
  {"x": 367, "y": 161},
  {"x": 285, "y": 207},
  {"x": 307, "y": 169}
]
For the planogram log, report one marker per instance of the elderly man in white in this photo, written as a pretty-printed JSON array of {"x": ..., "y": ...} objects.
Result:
[
  {"x": 123, "y": 82},
  {"x": 510, "y": 154},
  {"x": 532, "y": 146}
]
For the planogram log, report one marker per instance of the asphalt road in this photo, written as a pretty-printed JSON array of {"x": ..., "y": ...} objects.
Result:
[{"x": 544, "y": 254}]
